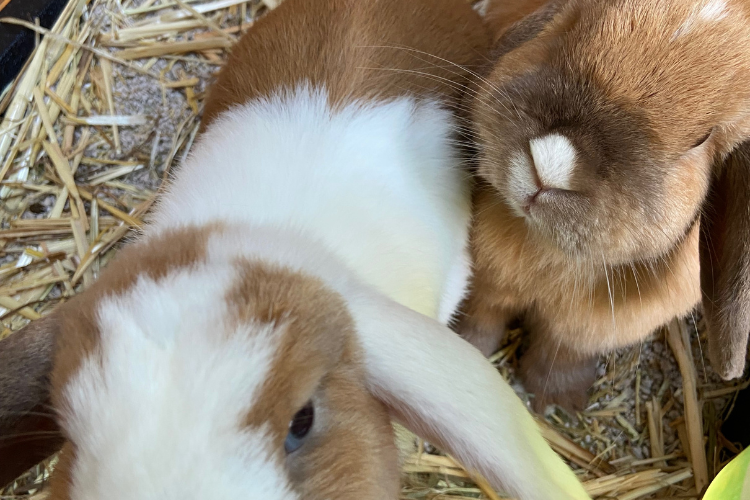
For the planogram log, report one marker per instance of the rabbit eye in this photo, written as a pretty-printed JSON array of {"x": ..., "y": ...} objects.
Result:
[
  {"x": 702, "y": 139},
  {"x": 299, "y": 428}
]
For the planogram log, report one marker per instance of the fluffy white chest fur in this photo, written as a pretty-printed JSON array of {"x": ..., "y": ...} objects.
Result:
[{"x": 379, "y": 185}]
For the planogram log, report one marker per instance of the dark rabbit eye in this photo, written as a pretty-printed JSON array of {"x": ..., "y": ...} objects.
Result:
[
  {"x": 299, "y": 428},
  {"x": 702, "y": 139}
]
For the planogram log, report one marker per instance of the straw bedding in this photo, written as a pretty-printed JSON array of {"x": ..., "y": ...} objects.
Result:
[{"x": 110, "y": 101}]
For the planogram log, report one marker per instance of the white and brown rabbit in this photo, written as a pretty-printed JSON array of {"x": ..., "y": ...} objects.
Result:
[
  {"x": 291, "y": 292},
  {"x": 611, "y": 136}
]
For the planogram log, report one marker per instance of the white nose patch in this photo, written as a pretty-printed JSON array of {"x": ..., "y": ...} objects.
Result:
[{"x": 554, "y": 159}]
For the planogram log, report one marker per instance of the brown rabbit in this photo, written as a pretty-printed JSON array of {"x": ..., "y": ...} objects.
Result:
[{"x": 611, "y": 141}]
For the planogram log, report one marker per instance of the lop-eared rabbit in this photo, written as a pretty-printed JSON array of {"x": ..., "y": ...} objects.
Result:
[{"x": 614, "y": 189}]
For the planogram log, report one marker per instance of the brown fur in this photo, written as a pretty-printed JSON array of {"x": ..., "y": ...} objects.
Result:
[
  {"x": 319, "y": 359},
  {"x": 357, "y": 50},
  {"x": 59, "y": 488},
  {"x": 27, "y": 426},
  {"x": 568, "y": 306},
  {"x": 725, "y": 259},
  {"x": 502, "y": 15},
  {"x": 605, "y": 263}
]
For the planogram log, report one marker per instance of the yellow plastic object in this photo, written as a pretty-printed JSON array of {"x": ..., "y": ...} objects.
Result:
[{"x": 733, "y": 482}]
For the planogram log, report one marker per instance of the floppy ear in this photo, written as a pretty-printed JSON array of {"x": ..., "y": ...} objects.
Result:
[
  {"x": 725, "y": 263},
  {"x": 28, "y": 432},
  {"x": 515, "y": 23},
  {"x": 444, "y": 390}
]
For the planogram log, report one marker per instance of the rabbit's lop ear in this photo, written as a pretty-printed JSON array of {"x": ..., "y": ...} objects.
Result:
[
  {"x": 515, "y": 23},
  {"x": 725, "y": 263},
  {"x": 444, "y": 390},
  {"x": 28, "y": 432}
]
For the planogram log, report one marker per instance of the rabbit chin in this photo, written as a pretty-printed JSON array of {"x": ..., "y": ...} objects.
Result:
[{"x": 552, "y": 219}]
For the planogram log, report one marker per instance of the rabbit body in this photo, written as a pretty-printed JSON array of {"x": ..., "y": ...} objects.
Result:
[
  {"x": 574, "y": 311},
  {"x": 607, "y": 133}
]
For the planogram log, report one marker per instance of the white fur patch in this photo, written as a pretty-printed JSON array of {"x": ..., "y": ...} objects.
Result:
[
  {"x": 521, "y": 182},
  {"x": 554, "y": 159},
  {"x": 712, "y": 11},
  {"x": 380, "y": 185},
  {"x": 156, "y": 413},
  {"x": 456, "y": 287}
]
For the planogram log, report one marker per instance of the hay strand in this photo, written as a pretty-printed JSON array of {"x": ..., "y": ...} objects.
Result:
[{"x": 679, "y": 342}]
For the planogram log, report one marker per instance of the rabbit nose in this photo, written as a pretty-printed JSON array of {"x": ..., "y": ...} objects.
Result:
[
  {"x": 553, "y": 158},
  {"x": 531, "y": 199}
]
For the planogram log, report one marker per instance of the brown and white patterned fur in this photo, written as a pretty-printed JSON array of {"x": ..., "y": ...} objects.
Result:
[
  {"x": 608, "y": 131},
  {"x": 312, "y": 248}
]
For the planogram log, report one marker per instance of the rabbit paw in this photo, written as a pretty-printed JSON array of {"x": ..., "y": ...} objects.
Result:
[{"x": 562, "y": 377}]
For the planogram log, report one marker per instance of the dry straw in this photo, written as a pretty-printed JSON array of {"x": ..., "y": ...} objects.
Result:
[{"x": 76, "y": 179}]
